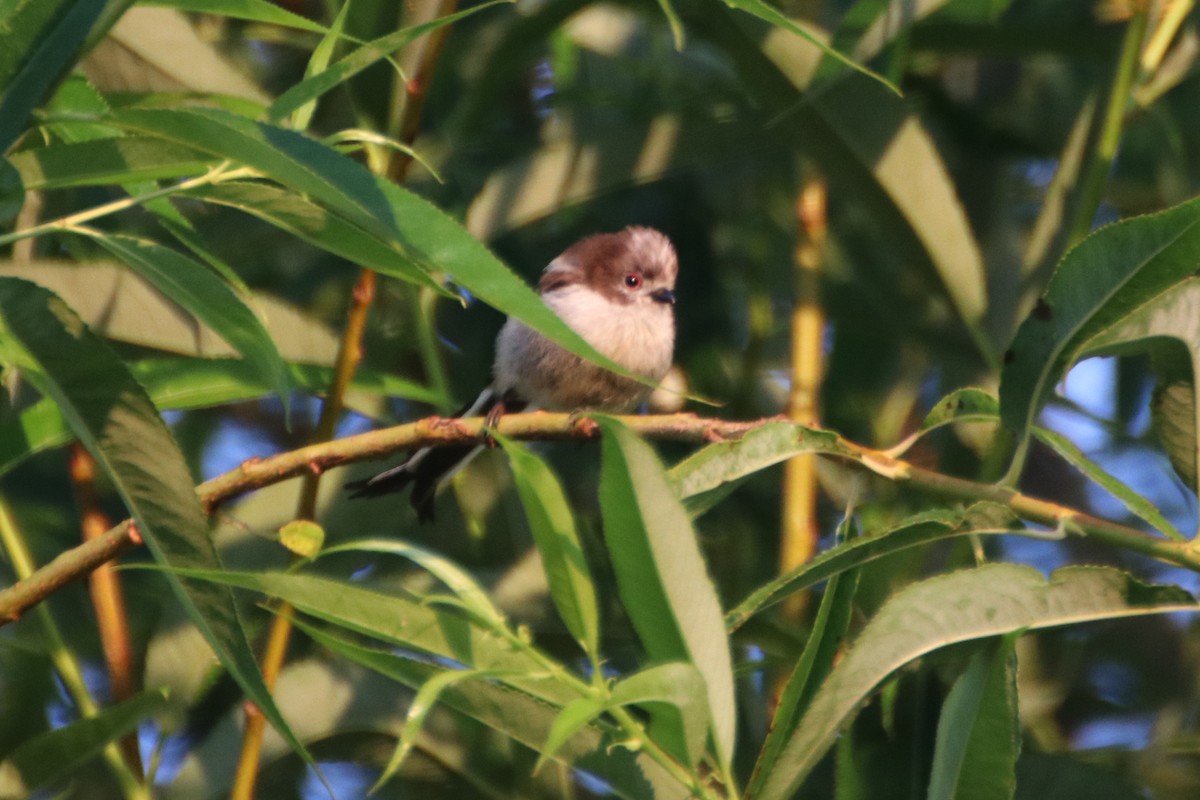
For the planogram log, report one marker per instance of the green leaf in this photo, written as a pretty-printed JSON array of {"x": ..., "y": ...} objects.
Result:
[
  {"x": 250, "y": 10},
  {"x": 965, "y": 403},
  {"x": 194, "y": 287},
  {"x": 553, "y": 528},
  {"x": 100, "y": 162},
  {"x": 769, "y": 14},
  {"x": 427, "y": 696},
  {"x": 923, "y": 528},
  {"x": 1097, "y": 286},
  {"x": 526, "y": 720},
  {"x": 992, "y": 600},
  {"x": 383, "y": 209},
  {"x": 726, "y": 462},
  {"x": 1168, "y": 315},
  {"x": 12, "y": 192},
  {"x": 661, "y": 575},
  {"x": 303, "y": 537},
  {"x": 41, "y": 40},
  {"x": 1128, "y": 497},
  {"x": 114, "y": 419},
  {"x": 979, "y": 733},
  {"x": 54, "y": 755},
  {"x": 675, "y": 694},
  {"x": 312, "y": 87},
  {"x": 306, "y": 220},
  {"x": 576, "y": 716},
  {"x": 1173, "y": 414},
  {"x": 317, "y": 63},
  {"x": 816, "y": 662},
  {"x": 401, "y": 622},
  {"x": 474, "y": 599}
]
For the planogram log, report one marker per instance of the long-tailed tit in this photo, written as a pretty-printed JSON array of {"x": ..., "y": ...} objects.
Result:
[{"x": 617, "y": 291}]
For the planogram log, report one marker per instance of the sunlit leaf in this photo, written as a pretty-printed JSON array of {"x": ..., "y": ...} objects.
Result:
[
  {"x": 251, "y": 10},
  {"x": 661, "y": 574},
  {"x": 100, "y": 162},
  {"x": 676, "y": 693},
  {"x": 992, "y": 600}
]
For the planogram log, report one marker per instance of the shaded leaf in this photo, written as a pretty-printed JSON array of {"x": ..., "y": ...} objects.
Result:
[
  {"x": 979, "y": 734},
  {"x": 992, "y": 600},
  {"x": 1096, "y": 286},
  {"x": 12, "y": 192},
  {"x": 815, "y": 663},
  {"x": 553, "y": 528},
  {"x": 54, "y": 755},
  {"x": 100, "y": 162},
  {"x": 676, "y": 693},
  {"x": 316, "y": 85},
  {"x": 112, "y": 416},
  {"x": 195, "y": 288},
  {"x": 41, "y": 40},
  {"x": 525, "y": 719}
]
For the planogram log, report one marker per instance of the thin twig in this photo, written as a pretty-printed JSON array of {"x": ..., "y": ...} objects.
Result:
[{"x": 258, "y": 473}]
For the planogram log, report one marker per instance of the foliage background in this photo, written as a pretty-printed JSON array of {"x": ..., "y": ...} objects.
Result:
[{"x": 947, "y": 211}]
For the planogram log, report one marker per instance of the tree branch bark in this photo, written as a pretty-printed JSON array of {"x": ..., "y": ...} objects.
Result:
[{"x": 257, "y": 473}]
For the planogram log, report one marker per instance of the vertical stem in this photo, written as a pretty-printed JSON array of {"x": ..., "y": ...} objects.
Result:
[
  {"x": 64, "y": 661},
  {"x": 349, "y": 356},
  {"x": 1095, "y": 175},
  {"x": 799, "y": 535},
  {"x": 107, "y": 598}
]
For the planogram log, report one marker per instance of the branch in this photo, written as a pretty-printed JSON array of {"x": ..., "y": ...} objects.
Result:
[{"x": 257, "y": 473}]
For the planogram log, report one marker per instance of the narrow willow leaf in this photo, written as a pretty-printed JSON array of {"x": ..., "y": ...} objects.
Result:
[
  {"x": 54, "y": 755},
  {"x": 306, "y": 220},
  {"x": 675, "y": 692},
  {"x": 629, "y": 775},
  {"x": 41, "y": 40},
  {"x": 966, "y": 403},
  {"x": 426, "y": 698},
  {"x": 816, "y": 661},
  {"x": 768, "y": 13},
  {"x": 443, "y": 633},
  {"x": 979, "y": 733},
  {"x": 100, "y": 162},
  {"x": 992, "y": 600},
  {"x": 576, "y": 716},
  {"x": 1111, "y": 273},
  {"x": 725, "y": 462},
  {"x": 312, "y": 87},
  {"x": 923, "y": 528},
  {"x": 114, "y": 419},
  {"x": 249, "y": 10},
  {"x": 1168, "y": 315},
  {"x": 12, "y": 192},
  {"x": 474, "y": 598},
  {"x": 317, "y": 63},
  {"x": 1094, "y": 472},
  {"x": 195, "y": 288},
  {"x": 424, "y": 232},
  {"x": 661, "y": 575},
  {"x": 553, "y": 528}
]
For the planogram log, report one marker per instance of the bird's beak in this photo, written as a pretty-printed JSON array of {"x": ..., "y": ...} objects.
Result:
[{"x": 663, "y": 296}]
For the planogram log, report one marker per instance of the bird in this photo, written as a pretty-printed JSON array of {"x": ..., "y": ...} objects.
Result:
[{"x": 617, "y": 291}]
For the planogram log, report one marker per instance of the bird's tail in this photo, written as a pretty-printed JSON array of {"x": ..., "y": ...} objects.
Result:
[{"x": 428, "y": 468}]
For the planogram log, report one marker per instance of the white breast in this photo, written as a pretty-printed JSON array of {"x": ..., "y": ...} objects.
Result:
[{"x": 639, "y": 336}]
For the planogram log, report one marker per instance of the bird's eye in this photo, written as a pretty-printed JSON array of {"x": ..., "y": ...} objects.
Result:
[{"x": 633, "y": 280}]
